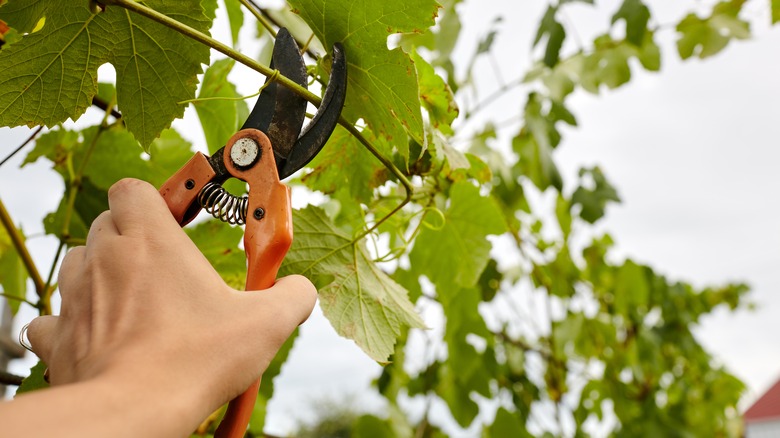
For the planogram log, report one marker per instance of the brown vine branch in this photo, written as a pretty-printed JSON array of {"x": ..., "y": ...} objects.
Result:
[
  {"x": 7, "y": 378},
  {"x": 102, "y": 104}
]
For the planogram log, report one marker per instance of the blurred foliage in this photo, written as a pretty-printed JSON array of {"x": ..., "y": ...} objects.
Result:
[{"x": 604, "y": 343}]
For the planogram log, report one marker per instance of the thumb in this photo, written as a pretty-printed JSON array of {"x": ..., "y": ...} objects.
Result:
[
  {"x": 289, "y": 301},
  {"x": 41, "y": 332}
]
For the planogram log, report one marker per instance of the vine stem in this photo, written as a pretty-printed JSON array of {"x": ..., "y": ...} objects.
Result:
[
  {"x": 273, "y": 75},
  {"x": 20, "y": 299},
  {"x": 21, "y": 249},
  {"x": 259, "y": 17}
]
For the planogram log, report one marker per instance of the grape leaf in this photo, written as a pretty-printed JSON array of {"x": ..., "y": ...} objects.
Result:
[
  {"x": 506, "y": 425},
  {"x": 219, "y": 242},
  {"x": 609, "y": 62},
  {"x": 51, "y": 74},
  {"x": 704, "y": 37},
  {"x": 556, "y": 34},
  {"x": 235, "y": 18},
  {"x": 435, "y": 96},
  {"x": 457, "y": 253},
  {"x": 35, "y": 380},
  {"x": 636, "y": 15},
  {"x": 775, "y": 11},
  {"x": 594, "y": 200},
  {"x": 382, "y": 83},
  {"x": 115, "y": 155},
  {"x": 360, "y": 300},
  {"x": 219, "y": 118},
  {"x": 345, "y": 163},
  {"x": 13, "y": 275}
]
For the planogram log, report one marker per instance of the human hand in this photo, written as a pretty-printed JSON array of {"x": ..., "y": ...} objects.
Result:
[{"x": 144, "y": 311}]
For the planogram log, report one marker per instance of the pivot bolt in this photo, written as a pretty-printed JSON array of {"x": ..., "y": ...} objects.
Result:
[
  {"x": 245, "y": 152},
  {"x": 259, "y": 213}
]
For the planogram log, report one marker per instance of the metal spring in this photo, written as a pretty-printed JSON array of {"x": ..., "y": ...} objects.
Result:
[{"x": 223, "y": 205}]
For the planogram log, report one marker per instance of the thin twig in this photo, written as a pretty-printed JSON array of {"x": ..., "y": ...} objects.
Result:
[
  {"x": 493, "y": 97},
  {"x": 53, "y": 268},
  {"x": 21, "y": 146},
  {"x": 270, "y": 19},
  {"x": 257, "y": 12},
  {"x": 20, "y": 299}
]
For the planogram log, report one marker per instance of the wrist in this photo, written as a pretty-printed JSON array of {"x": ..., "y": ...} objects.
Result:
[{"x": 160, "y": 407}]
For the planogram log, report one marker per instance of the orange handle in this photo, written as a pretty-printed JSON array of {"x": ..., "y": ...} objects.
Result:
[{"x": 267, "y": 236}]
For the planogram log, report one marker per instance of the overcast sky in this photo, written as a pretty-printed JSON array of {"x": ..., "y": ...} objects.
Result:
[{"x": 693, "y": 152}]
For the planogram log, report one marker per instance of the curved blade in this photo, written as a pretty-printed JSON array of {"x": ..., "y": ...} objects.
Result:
[
  {"x": 279, "y": 112},
  {"x": 324, "y": 122}
]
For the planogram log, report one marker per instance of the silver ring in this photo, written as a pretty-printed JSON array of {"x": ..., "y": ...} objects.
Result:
[{"x": 23, "y": 340}]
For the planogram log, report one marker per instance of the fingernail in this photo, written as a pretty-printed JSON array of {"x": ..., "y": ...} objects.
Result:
[{"x": 23, "y": 340}]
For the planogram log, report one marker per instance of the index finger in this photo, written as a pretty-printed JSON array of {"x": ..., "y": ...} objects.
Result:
[{"x": 137, "y": 207}]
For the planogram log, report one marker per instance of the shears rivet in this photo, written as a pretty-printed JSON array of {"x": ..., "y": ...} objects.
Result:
[
  {"x": 259, "y": 213},
  {"x": 190, "y": 184},
  {"x": 245, "y": 152}
]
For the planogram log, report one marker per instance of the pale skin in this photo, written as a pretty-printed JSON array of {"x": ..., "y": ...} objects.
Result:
[{"x": 149, "y": 340}]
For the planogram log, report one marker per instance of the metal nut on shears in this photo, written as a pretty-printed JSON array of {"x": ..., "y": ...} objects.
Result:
[{"x": 244, "y": 153}]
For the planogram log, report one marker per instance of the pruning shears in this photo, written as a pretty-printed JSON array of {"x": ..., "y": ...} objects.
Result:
[{"x": 269, "y": 147}]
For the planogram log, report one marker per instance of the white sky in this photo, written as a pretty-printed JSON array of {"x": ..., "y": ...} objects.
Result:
[{"x": 693, "y": 152}]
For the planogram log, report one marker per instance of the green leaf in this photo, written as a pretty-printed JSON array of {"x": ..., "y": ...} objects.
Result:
[
  {"x": 89, "y": 203},
  {"x": 361, "y": 301},
  {"x": 235, "y": 18},
  {"x": 474, "y": 369},
  {"x": 13, "y": 274},
  {"x": 115, "y": 155},
  {"x": 704, "y": 37},
  {"x": 51, "y": 74},
  {"x": 490, "y": 281},
  {"x": 593, "y": 197},
  {"x": 369, "y": 426},
  {"x": 775, "y": 11},
  {"x": 219, "y": 242},
  {"x": 435, "y": 96},
  {"x": 345, "y": 164},
  {"x": 556, "y": 34},
  {"x": 383, "y": 86},
  {"x": 24, "y": 16},
  {"x": 457, "y": 253},
  {"x": 535, "y": 142},
  {"x": 106, "y": 91},
  {"x": 219, "y": 118},
  {"x": 464, "y": 409},
  {"x": 35, "y": 380},
  {"x": 636, "y": 16},
  {"x": 631, "y": 289},
  {"x": 506, "y": 425}
]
